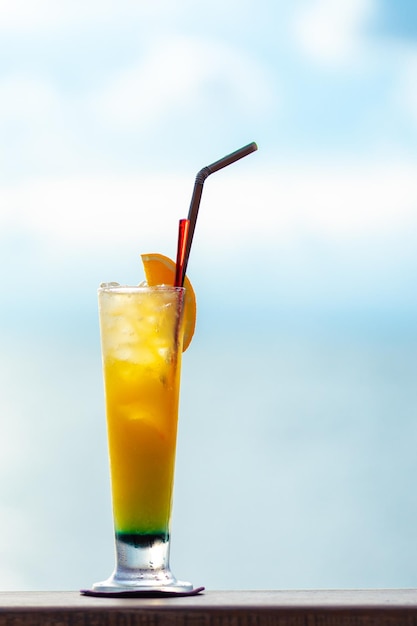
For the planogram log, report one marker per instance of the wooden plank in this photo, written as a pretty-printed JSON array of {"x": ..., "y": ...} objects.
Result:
[{"x": 215, "y": 608}]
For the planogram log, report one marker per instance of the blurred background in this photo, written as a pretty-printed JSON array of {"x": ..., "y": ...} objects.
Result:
[{"x": 296, "y": 455}]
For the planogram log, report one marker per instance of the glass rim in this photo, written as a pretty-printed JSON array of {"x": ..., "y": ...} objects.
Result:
[{"x": 130, "y": 289}]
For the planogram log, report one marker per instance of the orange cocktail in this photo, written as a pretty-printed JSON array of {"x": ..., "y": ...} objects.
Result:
[{"x": 141, "y": 347}]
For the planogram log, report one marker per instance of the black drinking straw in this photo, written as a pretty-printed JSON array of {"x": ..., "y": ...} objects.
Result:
[{"x": 196, "y": 197}]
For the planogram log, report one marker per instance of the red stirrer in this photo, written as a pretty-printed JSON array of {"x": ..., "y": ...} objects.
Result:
[{"x": 183, "y": 230}]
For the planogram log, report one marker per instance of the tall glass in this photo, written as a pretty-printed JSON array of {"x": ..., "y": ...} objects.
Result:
[{"x": 141, "y": 340}]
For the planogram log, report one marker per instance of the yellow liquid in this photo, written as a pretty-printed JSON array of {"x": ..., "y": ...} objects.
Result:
[{"x": 141, "y": 362}]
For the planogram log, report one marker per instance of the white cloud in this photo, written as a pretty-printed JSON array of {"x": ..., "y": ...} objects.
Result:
[
  {"x": 47, "y": 128},
  {"x": 24, "y": 15},
  {"x": 330, "y": 32},
  {"x": 46, "y": 15},
  {"x": 23, "y": 97},
  {"x": 90, "y": 213},
  {"x": 335, "y": 201},
  {"x": 39, "y": 125},
  {"x": 184, "y": 74}
]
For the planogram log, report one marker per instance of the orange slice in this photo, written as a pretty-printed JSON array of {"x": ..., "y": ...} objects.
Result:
[{"x": 160, "y": 270}]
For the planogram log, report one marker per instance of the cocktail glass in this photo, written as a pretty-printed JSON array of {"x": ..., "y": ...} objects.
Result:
[
  {"x": 142, "y": 342},
  {"x": 141, "y": 339}
]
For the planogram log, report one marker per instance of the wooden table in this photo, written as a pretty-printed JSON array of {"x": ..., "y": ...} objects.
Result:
[{"x": 215, "y": 608}]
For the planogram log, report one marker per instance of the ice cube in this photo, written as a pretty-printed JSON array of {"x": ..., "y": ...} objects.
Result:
[{"x": 107, "y": 285}]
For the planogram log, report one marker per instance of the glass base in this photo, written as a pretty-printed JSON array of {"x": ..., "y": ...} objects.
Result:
[
  {"x": 111, "y": 586},
  {"x": 142, "y": 564}
]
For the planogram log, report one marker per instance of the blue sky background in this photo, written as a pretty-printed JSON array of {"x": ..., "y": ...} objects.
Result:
[{"x": 297, "y": 434}]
